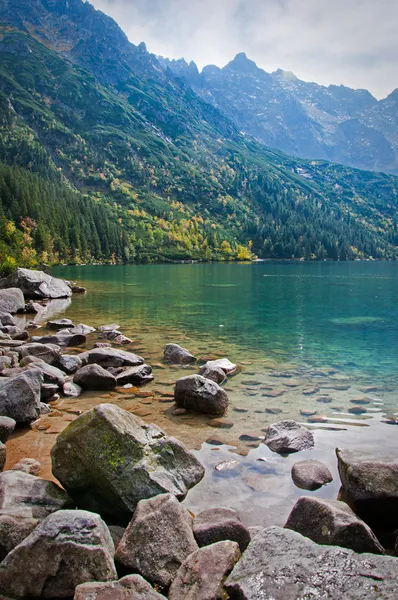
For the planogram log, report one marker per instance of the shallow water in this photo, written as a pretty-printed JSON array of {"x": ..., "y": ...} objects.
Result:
[{"x": 312, "y": 337}]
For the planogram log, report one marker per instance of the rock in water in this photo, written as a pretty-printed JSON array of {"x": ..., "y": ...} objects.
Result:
[
  {"x": 36, "y": 284},
  {"x": 68, "y": 548},
  {"x": 110, "y": 357},
  {"x": 282, "y": 564},
  {"x": 109, "y": 460},
  {"x": 11, "y": 300},
  {"x": 286, "y": 437},
  {"x": 310, "y": 474},
  {"x": 202, "y": 574},
  {"x": 177, "y": 355},
  {"x": 370, "y": 485},
  {"x": 158, "y": 539},
  {"x": 20, "y": 396},
  {"x": 222, "y": 363},
  {"x": 214, "y": 373},
  {"x": 131, "y": 587},
  {"x": 58, "y": 324},
  {"x": 203, "y": 395},
  {"x": 218, "y": 524},
  {"x": 134, "y": 375},
  {"x": 94, "y": 377},
  {"x": 332, "y": 523}
]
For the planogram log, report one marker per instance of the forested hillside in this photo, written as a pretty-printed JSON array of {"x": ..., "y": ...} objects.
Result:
[{"x": 121, "y": 161}]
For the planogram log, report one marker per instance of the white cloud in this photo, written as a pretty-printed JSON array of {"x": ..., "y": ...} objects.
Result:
[{"x": 342, "y": 42}]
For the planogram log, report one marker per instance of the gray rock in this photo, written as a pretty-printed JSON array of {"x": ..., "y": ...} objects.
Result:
[
  {"x": 7, "y": 426},
  {"x": 47, "y": 352},
  {"x": 117, "y": 533},
  {"x": 6, "y": 318},
  {"x": 68, "y": 363},
  {"x": 3, "y": 456},
  {"x": 107, "y": 328},
  {"x": 110, "y": 357},
  {"x": 11, "y": 300},
  {"x": 82, "y": 329},
  {"x": 60, "y": 324},
  {"x": 45, "y": 409},
  {"x": 198, "y": 393},
  {"x": 310, "y": 474},
  {"x": 214, "y": 373},
  {"x": 370, "y": 485},
  {"x": 62, "y": 338},
  {"x": 202, "y": 574},
  {"x": 5, "y": 362},
  {"x": 157, "y": 540},
  {"x": 218, "y": 524},
  {"x": 71, "y": 389},
  {"x": 94, "y": 377},
  {"x": 109, "y": 460},
  {"x": 13, "y": 530},
  {"x": 27, "y": 465},
  {"x": 222, "y": 363},
  {"x": 36, "y": 284},
  {"x": 51, "y": 374},
  {"x": 131, "y": 587},
  {"x": 136, "y": 375},
  {"x": 280, "y": 564},
  {"x": 122, "y": 340},
  {"x": 68, "y": 548},
  {"x": 48, "y": 390},
  {"x": 332, "y": 523},
  {"x": 286, "y": 437},
  {"x": 20, "y": 396},
  {"x": 177, "y": 355}
]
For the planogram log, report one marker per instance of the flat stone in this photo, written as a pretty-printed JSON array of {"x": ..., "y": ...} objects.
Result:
[
  {"x": 311, "y": 474},
  {"x": 357, "y": 410},
  {"x": 360, "y": 400},
  {"x": 221, "y": 423}
]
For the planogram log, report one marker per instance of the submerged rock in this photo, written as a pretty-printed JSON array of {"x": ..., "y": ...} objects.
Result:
[
  {"x": 158, "y": 539},
  {"x": 68, "y": 548},
  {"x": 11, "y": 300},
  {"x": 36, "y": 284},
  {"x": 217, "y": 524},
  {"x": 198, "y": 393},
  {"x": 109, "y": 460},
  {"x": 282, "y": 564},
  {"x": 131, "y": 587},
  {"x": 177, "y": 355},
  {"x": 286, "y": 437},
  {"x": 20, "y": 396},
  {"x": 310, "y": 474},
  {"x": 333, "y": 523},
  {"x": 202, "y": 574},
  {"x": 94, "y": 377}
]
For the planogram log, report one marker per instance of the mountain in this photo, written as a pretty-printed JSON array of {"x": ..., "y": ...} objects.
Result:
[
  {"x": 151, "y": 171},
  {"x": 334, "y": 123}
]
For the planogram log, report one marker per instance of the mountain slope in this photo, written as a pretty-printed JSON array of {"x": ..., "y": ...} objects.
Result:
[
  {"x": 335, "y": 123},
  {"x": 79, "y": 102}
]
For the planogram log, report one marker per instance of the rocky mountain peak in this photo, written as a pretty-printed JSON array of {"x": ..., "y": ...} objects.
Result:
[{"x": 242, "y": 63}]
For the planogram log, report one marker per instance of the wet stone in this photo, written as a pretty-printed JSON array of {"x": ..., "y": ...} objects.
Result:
[{"x": 221, "y": 423}]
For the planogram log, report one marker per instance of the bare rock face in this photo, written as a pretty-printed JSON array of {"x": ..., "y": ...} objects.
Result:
[
  {"x": 158, "y": 539},
  {"x": 20, "y": 396},
  {"x": 202, "y": 574},
  {"x": 68, "y": 548},
  {"x": 11, "y": 300},
  {"x": 131, "y": 587},
  {"x": 109, "y": 460},
  {"x": 310, "y": 474},
  {"x": 218, "y": 524},
  {"x": 176, "y": 355},
  {"x": 203, "y": 395},
  {"x": 286, "y": 437},
  {"x": 280, "y": 564},
  {"x": 36, "y": 284},
  {"x": 110, "y": 357},
  {"x": 94, "y": 377},
  {"x": 332, "y": 523}
]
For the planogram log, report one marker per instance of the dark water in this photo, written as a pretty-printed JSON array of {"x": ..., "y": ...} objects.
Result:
[{"x": 331, "y": 328}]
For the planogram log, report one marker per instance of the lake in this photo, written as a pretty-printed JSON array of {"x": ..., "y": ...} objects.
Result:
[{"x": 316, "y": 338}]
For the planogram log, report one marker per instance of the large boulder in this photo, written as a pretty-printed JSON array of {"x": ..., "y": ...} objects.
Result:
[
  {"x": 11, "y": 300},
  {"x": 110, "y": 357},
  {"x": 47, "y": 352},
  {"x": 282, "y": 564},
  {"x": 203, "y": 395},
  {"x": 109, "y": 460},
  {"x": 176, "y": 355},
  {"x": 286, "y": 437},
  {"x": 218, "y": 524},
  {"x": 158, "y": 539},
  {"x": 68, "y": 548},
  {"x": 310, "y": 474},
  {"x": 20, "y": 396},
  {"x": 94, "y": 377},
  {"x": 201, "y": 576},
  {"x": 130, "y": 587},
  {"x": 36, "y": 284},
  {"x": 332, "y": 523}
]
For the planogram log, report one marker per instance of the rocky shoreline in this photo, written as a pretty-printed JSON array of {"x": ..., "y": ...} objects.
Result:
[{"x": 116, "y": 528}]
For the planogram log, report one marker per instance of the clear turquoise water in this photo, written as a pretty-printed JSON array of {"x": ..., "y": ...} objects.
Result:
[{"x": 335, "y": 314}]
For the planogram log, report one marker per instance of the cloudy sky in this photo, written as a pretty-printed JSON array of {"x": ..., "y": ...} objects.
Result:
[{"x": 350, "y": 42}]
